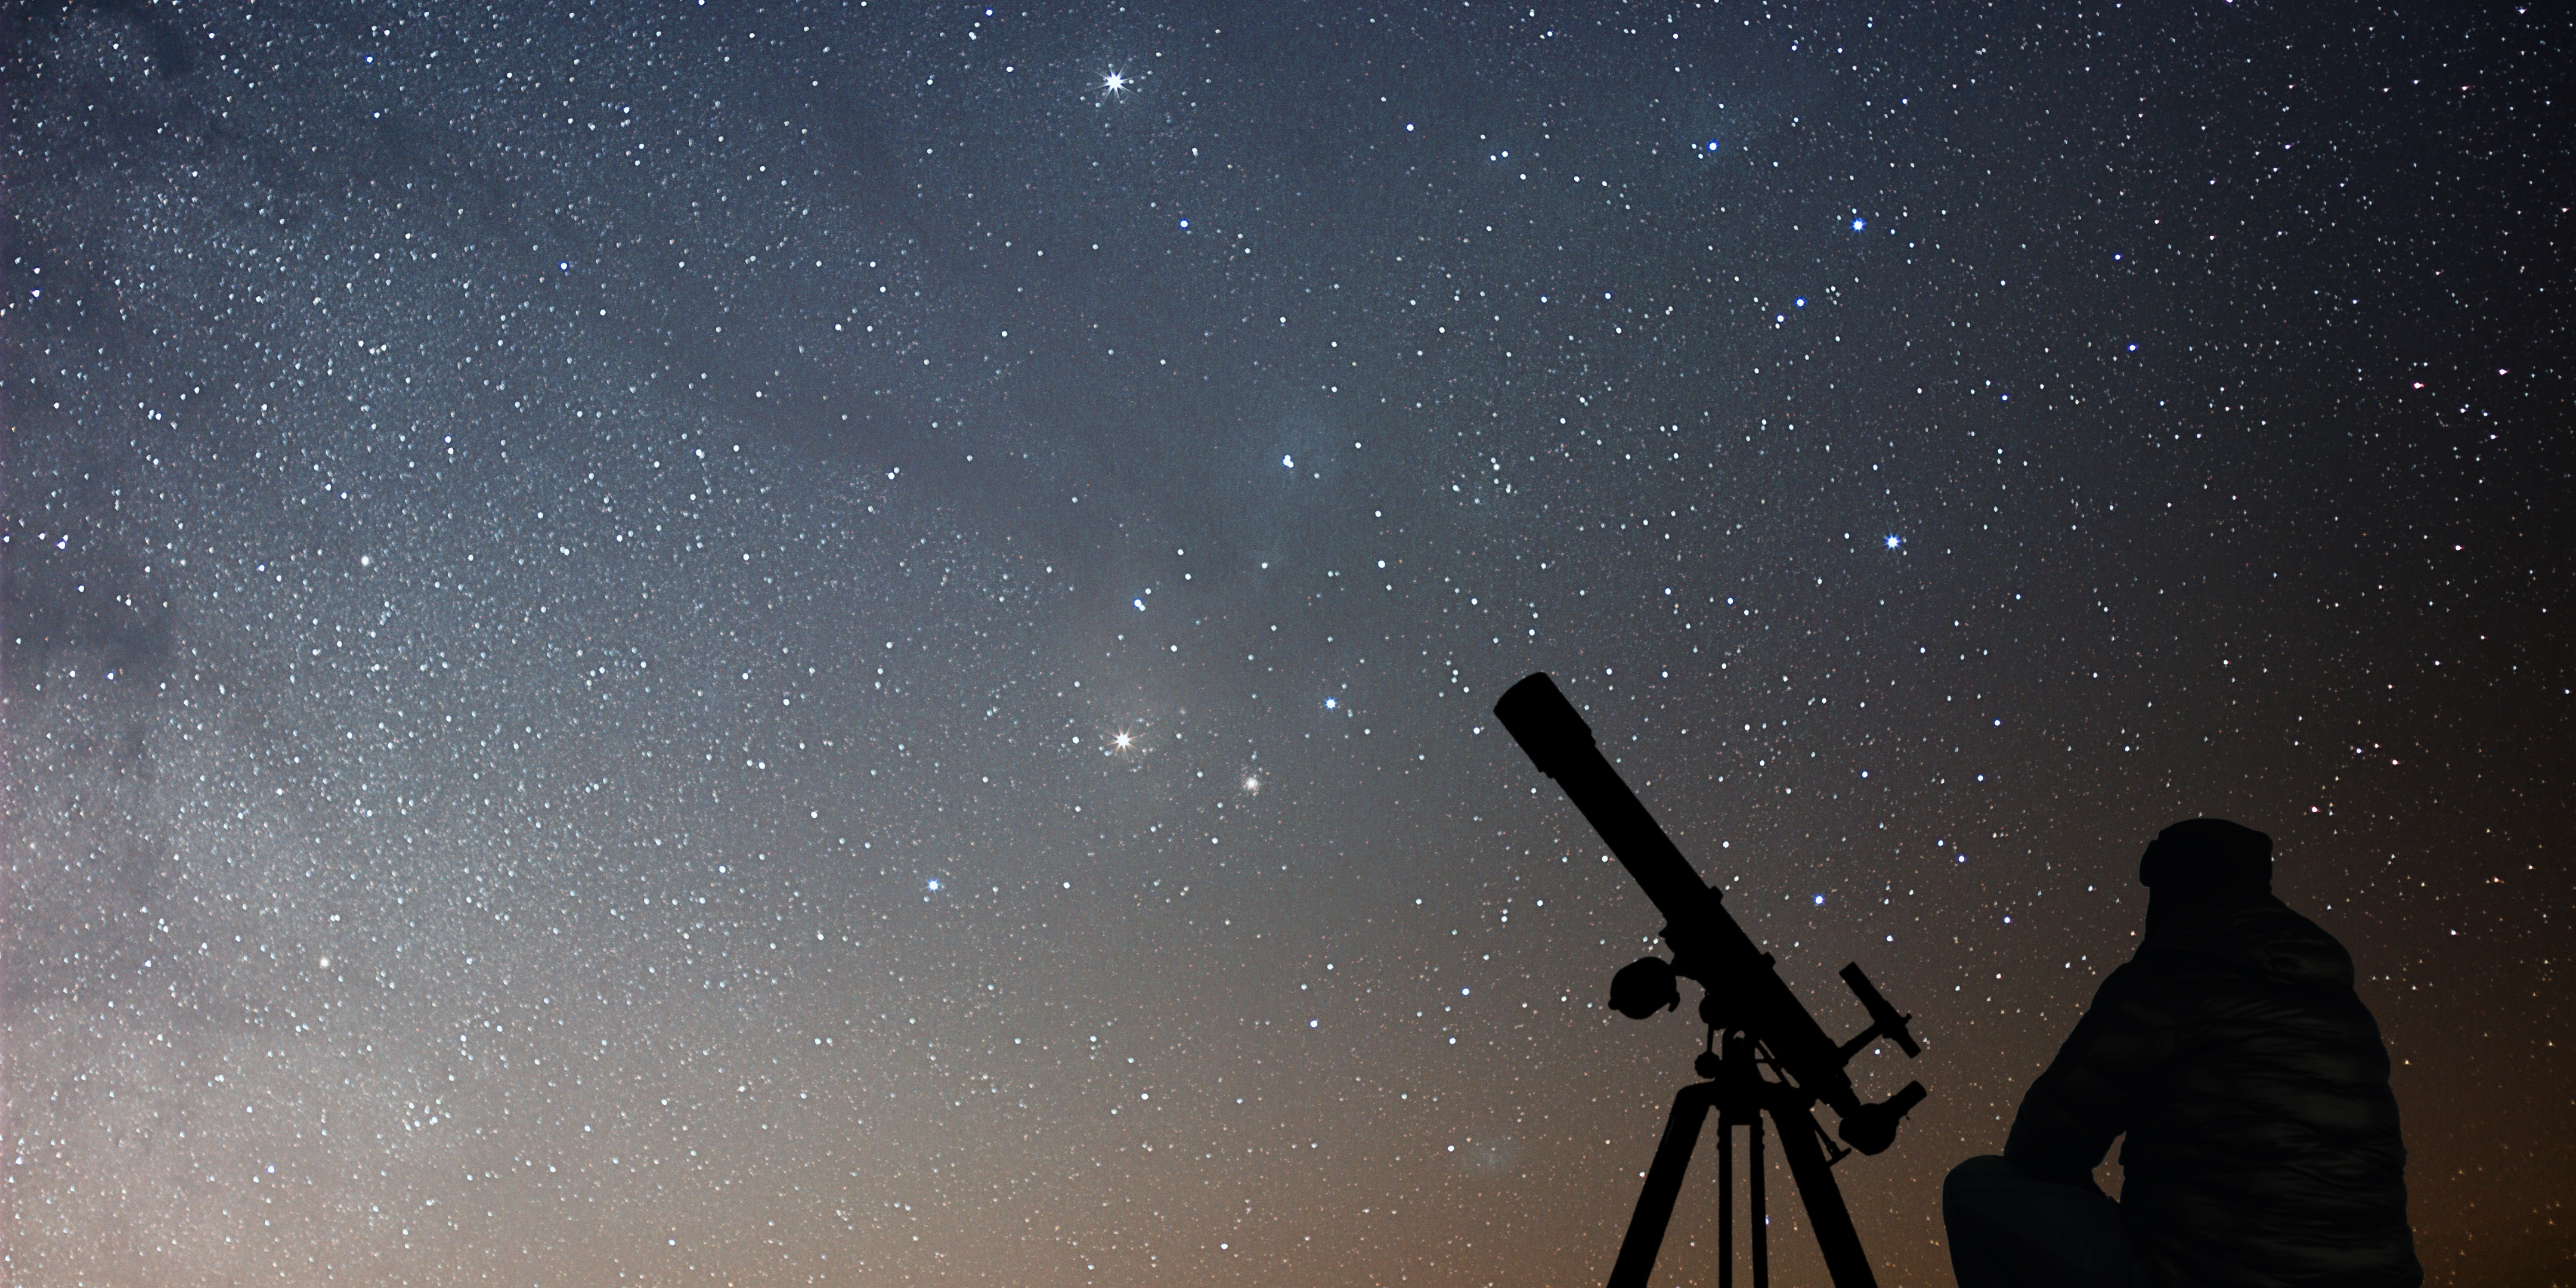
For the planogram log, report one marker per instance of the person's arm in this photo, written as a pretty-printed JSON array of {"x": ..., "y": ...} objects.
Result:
[{"x": 2090, "y": 1093}]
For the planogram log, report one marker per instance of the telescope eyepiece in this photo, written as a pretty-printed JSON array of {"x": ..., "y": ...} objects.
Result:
[{"x": 1872, "y": 1128}]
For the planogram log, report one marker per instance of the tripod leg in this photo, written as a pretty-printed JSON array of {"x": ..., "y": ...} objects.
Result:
[
  {"x": 1663, "y": 1185},
  {"x": 1725, "y": 1202},
  {"x": 1754, "y": 1217},
  {"x": 1835, "y": 1236}
]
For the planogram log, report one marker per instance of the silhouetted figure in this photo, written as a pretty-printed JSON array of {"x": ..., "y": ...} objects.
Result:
[{"x": 2252, "y": 1084}]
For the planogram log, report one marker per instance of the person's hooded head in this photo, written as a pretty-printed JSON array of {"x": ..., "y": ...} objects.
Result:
[{"x": 2198, "y": 858}]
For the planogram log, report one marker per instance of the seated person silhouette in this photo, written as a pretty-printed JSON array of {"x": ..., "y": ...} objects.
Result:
[{"x": 2253, "y": 1088}]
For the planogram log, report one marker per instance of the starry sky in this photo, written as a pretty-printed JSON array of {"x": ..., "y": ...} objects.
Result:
[{"x": 854, "y": 642}]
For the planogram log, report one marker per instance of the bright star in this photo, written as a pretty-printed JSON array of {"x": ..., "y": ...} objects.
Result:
[
  {"x": 1124, "y": 740},
  {"x": 1893, "y": 541},
  {"x": 1859, "y": 224},
  {"x": 1113, "y": 85},
  {"x": 934, "y": 883},
  {"x": 1331, "y": 703}
]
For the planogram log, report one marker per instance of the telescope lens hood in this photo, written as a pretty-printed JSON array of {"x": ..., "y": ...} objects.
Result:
[{"x": 1543, "y": 722}]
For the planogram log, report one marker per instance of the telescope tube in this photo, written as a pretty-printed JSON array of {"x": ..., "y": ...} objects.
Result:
[{"x": 1707, "y": 944}]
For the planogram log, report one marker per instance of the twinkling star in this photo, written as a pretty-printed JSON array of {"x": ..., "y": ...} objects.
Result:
[{"x": 510, "y": 666}]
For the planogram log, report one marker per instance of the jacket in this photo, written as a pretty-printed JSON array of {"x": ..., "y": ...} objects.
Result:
[{"x": 2263, "y": 1149}]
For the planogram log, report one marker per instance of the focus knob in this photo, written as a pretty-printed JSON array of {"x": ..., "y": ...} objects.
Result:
[{"x": 1643, "y": 987}]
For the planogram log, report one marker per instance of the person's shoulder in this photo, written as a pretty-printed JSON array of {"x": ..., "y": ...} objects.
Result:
[
  {"x": 2300, "y": 953},
  {"x": 2262, "y": 936}
]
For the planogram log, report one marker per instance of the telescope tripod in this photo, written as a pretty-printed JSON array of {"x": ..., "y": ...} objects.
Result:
[{"x": 1741, "y": 1095}]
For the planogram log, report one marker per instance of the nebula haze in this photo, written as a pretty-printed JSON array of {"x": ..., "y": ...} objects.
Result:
[{"x": 854, "y": 643}]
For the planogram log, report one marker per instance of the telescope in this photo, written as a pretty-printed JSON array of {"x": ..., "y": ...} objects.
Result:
[{"x": 1764, "y": 1052}]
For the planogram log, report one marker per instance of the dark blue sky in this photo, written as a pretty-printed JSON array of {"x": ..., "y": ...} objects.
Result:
[{"x": 796, "y": 644}]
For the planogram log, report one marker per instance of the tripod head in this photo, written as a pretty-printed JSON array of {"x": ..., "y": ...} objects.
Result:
[{"x": 1744, "y": 991}]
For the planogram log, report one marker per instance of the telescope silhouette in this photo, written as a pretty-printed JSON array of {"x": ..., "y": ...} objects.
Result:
[{"x": 1765, "y": 1053}]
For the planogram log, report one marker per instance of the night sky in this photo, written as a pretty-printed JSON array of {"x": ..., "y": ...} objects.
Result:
[{"x": 696, "y": 643}]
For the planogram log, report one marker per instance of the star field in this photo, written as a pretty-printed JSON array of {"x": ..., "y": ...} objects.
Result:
[{"x": 854, "y": 643}]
